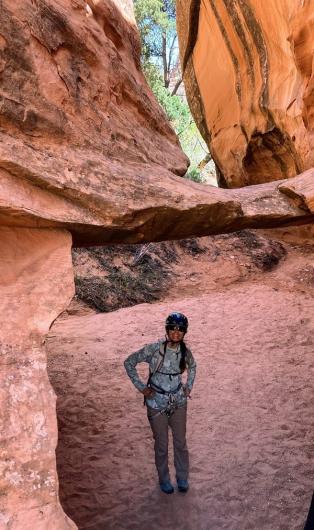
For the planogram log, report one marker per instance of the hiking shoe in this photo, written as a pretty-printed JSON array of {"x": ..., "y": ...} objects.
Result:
[
  {"x": 183, "y": 485},
  {"x": 166, "y": 487}
]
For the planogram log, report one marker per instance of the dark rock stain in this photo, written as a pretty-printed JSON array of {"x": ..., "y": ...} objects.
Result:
[
  {"x": 193, "y": 31},
  {"x": 18, "y": 66},
  {"x": 272, "y": 155},
  {"x": 230, "y": 7},
  {"x": 261, "y": 49},
  {"x": 234, "y": 59},
  {"x": 221, "y": 179},
  {"x": 195, "y": 101},
  {"x": 113, "y": 34},
  {"x": 53, "y": 31}
]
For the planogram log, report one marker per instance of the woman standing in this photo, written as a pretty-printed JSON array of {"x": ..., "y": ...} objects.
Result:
[{"x": 166, "y": 396}]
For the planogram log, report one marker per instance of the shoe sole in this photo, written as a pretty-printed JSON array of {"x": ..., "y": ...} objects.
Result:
[{"x": 183, "y": 489}]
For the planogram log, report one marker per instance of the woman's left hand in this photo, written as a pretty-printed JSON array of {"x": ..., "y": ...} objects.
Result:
[{"x": 187, "y": 391}]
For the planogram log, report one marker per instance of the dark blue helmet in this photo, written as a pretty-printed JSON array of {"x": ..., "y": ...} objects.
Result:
[{"x": 177, "y": 320}]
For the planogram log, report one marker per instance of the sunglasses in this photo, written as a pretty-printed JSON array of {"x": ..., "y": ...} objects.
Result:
[{"x": 176, "y": 328}]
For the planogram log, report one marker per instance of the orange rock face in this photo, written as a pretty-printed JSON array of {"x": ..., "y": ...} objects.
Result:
[
  {"x": 77, "y": 119},
  {"x": 36, "y": 285},
  {"x": 248, "y": 70}
]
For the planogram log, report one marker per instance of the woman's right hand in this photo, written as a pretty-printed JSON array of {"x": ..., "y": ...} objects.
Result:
[{"x": 148, "y": 392}]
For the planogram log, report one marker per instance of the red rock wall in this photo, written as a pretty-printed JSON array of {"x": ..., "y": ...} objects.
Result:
[
  {"x": 84, "y": 144},
  {"x": 248, "y": 69},
  {"x": 36, "y": 285},
  {"x": 80, "y": 130}
]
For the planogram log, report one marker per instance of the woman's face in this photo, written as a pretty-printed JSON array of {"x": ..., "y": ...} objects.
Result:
[{"x": 175, "y": 335}]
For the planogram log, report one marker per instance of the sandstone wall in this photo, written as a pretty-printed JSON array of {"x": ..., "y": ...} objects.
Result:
[
  {"x": 84, "y": 147},
  {"x": 248, "y": 71},
  {"x": 83, "y": 143},
  {"x": 36, "y": 284},
  {"x": 78, "y": 123}
]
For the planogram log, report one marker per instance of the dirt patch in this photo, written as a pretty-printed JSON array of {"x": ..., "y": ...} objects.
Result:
[
  {"x": 122, "y": 276},
  {"x": 265, "y": 253},
  {"x": 193, "y": 246},
  {"x": 306, "y": 275},
  {"x": 109, "y": 278},
  {"x": 250, "y": 420}
]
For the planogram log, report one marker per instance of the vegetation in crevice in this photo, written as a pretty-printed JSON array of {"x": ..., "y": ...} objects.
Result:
[
  {"x": 109, "y": 278},
  {"x": 156, "y": 20}
]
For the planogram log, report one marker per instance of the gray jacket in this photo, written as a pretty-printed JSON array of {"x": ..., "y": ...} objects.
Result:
[{"x": 168, "y": 376}]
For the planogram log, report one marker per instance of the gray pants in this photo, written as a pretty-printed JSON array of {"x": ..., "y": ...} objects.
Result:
[{"x": 159, "y": 424}]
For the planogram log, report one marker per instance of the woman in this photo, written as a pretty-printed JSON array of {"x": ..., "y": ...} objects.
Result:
[{"x": 166, "y": 396}]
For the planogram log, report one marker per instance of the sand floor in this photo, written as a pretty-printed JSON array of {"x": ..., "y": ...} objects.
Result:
[{"x": 250, "y": 419}]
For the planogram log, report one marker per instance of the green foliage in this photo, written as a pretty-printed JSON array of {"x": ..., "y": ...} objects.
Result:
[
  {"x": 179, "y": 115},
  {"x": 177, "y": 111},
  {"x": 154, "y": 18},
  {"x": 195, "y": 174},
  {"x": 155, "y": 12},
  {"x": 156, "y": 22}
]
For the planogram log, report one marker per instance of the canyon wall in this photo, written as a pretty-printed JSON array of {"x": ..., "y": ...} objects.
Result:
[
  {"x": 248, "y": 72},
  {"x": 83, "y": 143},
  {"x": 36, "y": 285},
  {"x": 86, "y": 155}
]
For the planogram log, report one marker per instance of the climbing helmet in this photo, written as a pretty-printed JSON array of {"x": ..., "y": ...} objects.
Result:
[{"x": 177, "y": 320}]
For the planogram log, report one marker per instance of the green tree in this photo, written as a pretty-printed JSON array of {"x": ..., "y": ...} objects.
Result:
[{"x": 156, "y": 20}]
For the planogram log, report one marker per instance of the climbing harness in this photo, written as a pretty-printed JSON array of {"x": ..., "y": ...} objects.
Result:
[
  {"x": 172, "y": 404},
  {"x": 172, "y": 401},
  {"x": 154, "y": 371},
  {"x": 169, "y": 409},
  {"x": 165, "y": 392}
]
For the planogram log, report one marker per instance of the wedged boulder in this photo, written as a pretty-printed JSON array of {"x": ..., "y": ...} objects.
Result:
[
  {"x": 300, "y": 189},
  {"x": 36, "y": 284},
  {"x": 248, "y": 72},
  {"x": 128, "y": 207}
]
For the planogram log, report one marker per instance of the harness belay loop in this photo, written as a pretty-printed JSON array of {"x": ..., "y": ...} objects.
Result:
[
  {"x": 171, "y": 407},
  {"x": 172, "y": 399}
]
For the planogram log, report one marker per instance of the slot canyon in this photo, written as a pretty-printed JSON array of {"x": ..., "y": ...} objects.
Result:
[{"x": 102, "y": 236}]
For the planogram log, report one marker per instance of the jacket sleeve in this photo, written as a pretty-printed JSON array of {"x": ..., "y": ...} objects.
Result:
[
  {"x": 141, "y": 356},
  {"x": 191, "y": 369}
]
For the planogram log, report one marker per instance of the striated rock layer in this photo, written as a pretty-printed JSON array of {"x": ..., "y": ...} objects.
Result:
[
  {"x": 248, "y": 71},
  {"x": 34, "y": 265}
]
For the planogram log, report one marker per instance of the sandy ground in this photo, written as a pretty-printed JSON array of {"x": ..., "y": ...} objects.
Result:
[{"x": 250, "y": 425}]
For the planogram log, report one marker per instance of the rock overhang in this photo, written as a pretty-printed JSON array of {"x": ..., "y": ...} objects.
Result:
[{"x": 85, "y": 147}]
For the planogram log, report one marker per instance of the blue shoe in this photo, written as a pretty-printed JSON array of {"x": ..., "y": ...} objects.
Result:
[
  {"x": 166, "y": 487},
  {"x": 183, "y": 485}
]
